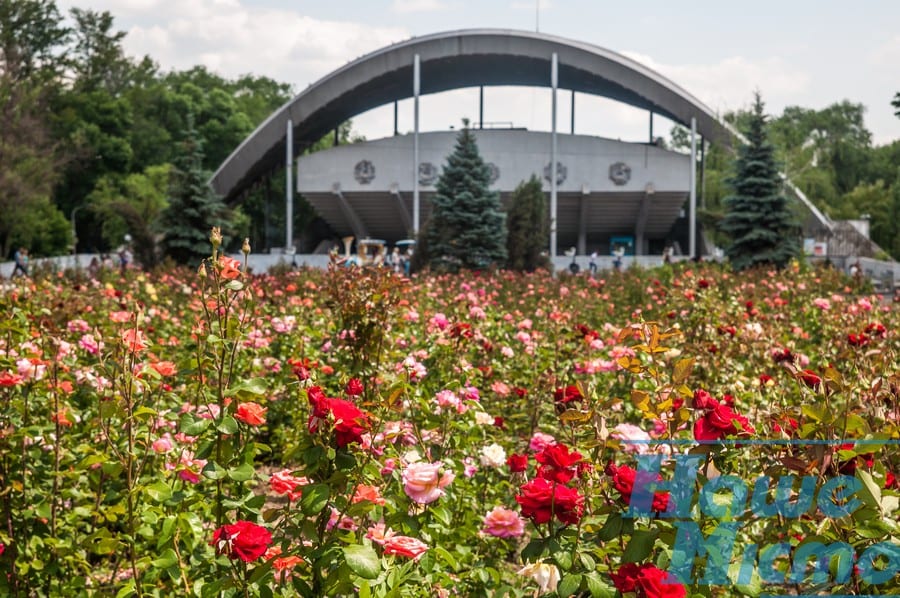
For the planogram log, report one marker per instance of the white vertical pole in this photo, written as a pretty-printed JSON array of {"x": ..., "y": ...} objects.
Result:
[
  {"x": 693, "y": 187},
  {"x": 289, "y": 191},
  {"x": 417, "y": 77},
  {"x": 554, "y": 76}
]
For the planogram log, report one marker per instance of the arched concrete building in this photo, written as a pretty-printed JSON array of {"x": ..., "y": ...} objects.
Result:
[{"x": 604, "y": 187}]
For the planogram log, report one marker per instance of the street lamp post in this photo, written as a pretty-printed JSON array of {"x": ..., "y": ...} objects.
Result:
[{"x": 75, "y": 236}]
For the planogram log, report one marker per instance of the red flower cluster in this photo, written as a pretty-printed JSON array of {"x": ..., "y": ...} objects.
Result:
[
  {"x": 647, "y": 581},
  {"x": 810, "y": 378},
  {"x": 719, "y": 419},
  {"x": 541, "y": 500},
  {"x": 547, "y": 495},
  {"x": 557, "y": 463},
  {"x": 623, "y": 479},
  {"x": 876, "y": 329},
  {"x": 242, "y": 540},
  {"x": 349, "y": 421},
  {"x": 782, "y": 355}
]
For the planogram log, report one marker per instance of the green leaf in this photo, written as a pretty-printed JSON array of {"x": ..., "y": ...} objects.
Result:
[
  {"x": 247, "y": 389},
  {"x": 870, "y": 493},
  {"x": 242, "y": 473},
  {"x": 640, "y": 546},
  {"x": 167, "y": 559},
  {"x": 361, "y": 559},
  {"x": 228, "y": 425},
  {"x": 611, "y": 529},
  {"x": 159, "y": 492},
  {"x": 533, "y": 550},
  {"x": 193, "y": 426},
  {"x": 598, "y": 587},
  {"x": 314, "y": 499},
  {"x": 214, "y": 471},
  {"x": 569, "y": 585}
]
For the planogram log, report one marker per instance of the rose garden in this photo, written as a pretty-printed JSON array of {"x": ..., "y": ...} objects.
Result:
[{"x": 679, "y": 431}]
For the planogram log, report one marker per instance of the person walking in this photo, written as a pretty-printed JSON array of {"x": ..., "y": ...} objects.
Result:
[
  {"x": 21, "y": 259},
  {"x": 593, "y": 263}
]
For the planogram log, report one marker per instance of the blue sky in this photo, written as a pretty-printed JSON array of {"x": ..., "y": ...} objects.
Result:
[{"x": 796, "y": 52}]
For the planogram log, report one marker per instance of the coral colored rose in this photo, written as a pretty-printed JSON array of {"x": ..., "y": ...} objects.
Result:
[
  {"x": 164, "y": 368},
  {"x": 517, "y": 463},
  {"x": 541, "y": 499},
  {"x": 252, "y": 414},
  {"x": 424, "y": 482},
  {"x": 557, "y": 463},
  {"x": 134, "y": 340},
  {"x": 286, "y": 483},
  {"x": 10, "y": 379},
  {"x": 242, "y": 540},
  {"x": 503, "y": 523},
  {"x": 368, "y": 493},
  {"x": 230, "y": 268},
  {"x": 405, "y": 546}
]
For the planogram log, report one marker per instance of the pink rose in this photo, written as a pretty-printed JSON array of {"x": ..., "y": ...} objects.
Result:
[
  {"x": 503, "y": 523},
  {"x": 424, "y": 482}
]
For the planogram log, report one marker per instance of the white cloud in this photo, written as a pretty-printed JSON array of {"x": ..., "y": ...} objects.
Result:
[
  {"x": 408, "y": 6},
  {"x": 234, "y": 37},
  {"x": 887, "y": 53},
  {"x": 729, "y": 83}
]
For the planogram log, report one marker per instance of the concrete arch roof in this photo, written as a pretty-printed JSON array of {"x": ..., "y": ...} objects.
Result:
[{"x": 454, "y": 60}]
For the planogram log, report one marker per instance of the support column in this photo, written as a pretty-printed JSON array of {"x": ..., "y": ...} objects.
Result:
[
  {"x": 703, "y": 172},
  {"x": 289, "y": 191},
  {"x": 582, "y": 219},
  {"x": 692, "y": 251},
  {"x": 554, "y": 81},
  {"x": 337, "y": 136},
  {"x": 396, "y": 132},
  {"x": 651, "y": 126},
  {"x": 573, "y": 112},
  {"x": 417, "y": 77},
  {"x": 481, "y": 106}
]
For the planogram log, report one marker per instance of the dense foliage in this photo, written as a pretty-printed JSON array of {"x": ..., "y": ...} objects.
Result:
[
  {"x": 351, "y": 432},
  {"x": 758, "y": 219},
  {"x": 467, "y": 227},
  {"x": 528, "y": 228}
]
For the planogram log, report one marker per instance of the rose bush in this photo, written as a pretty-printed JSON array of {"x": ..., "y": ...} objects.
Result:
[{"x": 351, "y": 432}]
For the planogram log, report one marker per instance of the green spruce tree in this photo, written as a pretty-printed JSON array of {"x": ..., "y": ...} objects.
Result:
[
  {"x": 757, "y": 215},
  {"x": 528, "y": 224},
  {"x": 194, "y": 208},
  {"x": 467, "y": 228}
]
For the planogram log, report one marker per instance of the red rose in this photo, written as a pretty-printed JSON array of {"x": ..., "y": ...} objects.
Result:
[
  {"x": 349, "y": 421},
  {"x": 782, "y": 355},
  {"x": 858, "y": 340},
  {"x": 557, "y": 463},
  {"x": 876, "y": 329},
  {"x": 703, "y": 400},
  {"x": 656, "y": 583},
  {"x": 567, "y": 394},
  {"x": 517, "y": 463},
  {"x": 354, "y": 387},
  {"x": 810, "y": 378},
  {"x": 623, "y": 479},
  {"x": 541, "y": 499},
  {"x": 625, "y": 579},
  {"x": 242, "y": 540}
]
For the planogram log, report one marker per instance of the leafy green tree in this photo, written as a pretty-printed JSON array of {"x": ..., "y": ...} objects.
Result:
[
  {"x": 758, "y": 218},
  {"x": 133, "y": 205},
  {"x": 896, "y": 104},
  {"x": 98, "y": 60},
  {"x": 467, "y": 228},
  {"x": 528, "y": 227},
  {"x": 32, "y": 40},
  {"x": 193, "y": 207}
]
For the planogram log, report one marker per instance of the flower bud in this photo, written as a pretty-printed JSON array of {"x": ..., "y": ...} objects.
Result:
[
  {"x": 215, "y": 237},
  {"x": 201, "y": 272},
  {"x": 245, "y": 248}
]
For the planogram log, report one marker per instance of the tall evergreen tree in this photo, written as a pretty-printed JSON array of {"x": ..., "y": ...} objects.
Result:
[
  {"x": 467, "y": 228},
  {"x": 757, "y": 217},
  {"x": 528, "y": 225},
  {"x": 193, "y": 207}
]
